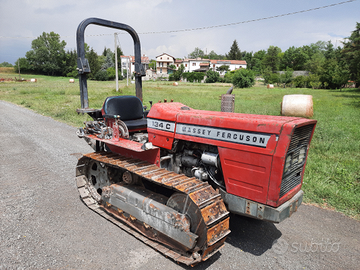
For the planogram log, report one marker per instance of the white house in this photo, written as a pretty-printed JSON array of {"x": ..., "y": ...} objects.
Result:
[
  {"x": 203, "y": 65},
  {"x": 232, "y": 64},
  {"x": 128, "y": 63}
]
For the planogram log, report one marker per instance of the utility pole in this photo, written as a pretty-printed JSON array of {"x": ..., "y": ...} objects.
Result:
[
  {"x": 127, "y": 71},
  {"x": 116, "y": 65},
  {"x": 19, "y": 68}
]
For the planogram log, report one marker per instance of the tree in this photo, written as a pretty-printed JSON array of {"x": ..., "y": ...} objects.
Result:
[
  {"x": 270, "y": 77},
  {"x": 70, "y": 64},
  {"x": 243, "y": 78},
  {"x": 152, "y": 64},
  {"x": 314, "y": 48},
  {"x": 248, "y": 57},
  {"x": 104, "y": 51},
  {"x": 213, "y": 55},
  {"x": 294, "y": 58},
  {"x": 212, "y": 76},
  {"x": 272, "y": 58},
  {"x": 179, "y": 72},
  {"x": 335, "y": 74},
  {"x": 119, "y": 54},
  {"x": 48, "y": 54},
  {"x": 315, "y": 64},
  {"x": 94, "y": 63},
  {"x": 197, "y": 53},
  {"x": 6, "y": 64},
  {"x": 108, "y": 61},
  {"x": 257, "y": 61},
  {"x": 223, "y": 68},
  {"x": 234, "y": 53},
  {"x": 351, "y": 54},
  {"x": 286, "y": 77},
  {"x": 24, "y": 65}
]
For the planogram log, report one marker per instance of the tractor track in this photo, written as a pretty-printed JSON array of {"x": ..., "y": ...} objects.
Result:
[{"x": 208, "y": 201}]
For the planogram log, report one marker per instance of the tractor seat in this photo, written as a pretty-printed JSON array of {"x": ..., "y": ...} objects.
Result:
[{"x": 130, "y": 110}]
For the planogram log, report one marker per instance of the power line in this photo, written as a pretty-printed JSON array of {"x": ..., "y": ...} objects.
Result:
[
  {"x": 249, "y": 21},
  {"x": 216, "y": 26}
]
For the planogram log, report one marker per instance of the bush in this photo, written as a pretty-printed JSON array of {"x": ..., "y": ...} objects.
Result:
[
  {"x": 243, "y": 78},
  {"x": 313, "y": 81},
  {"x": 111, "y": 73},
  {"x": 73, "y": 74},
  {"x": 222, "y": 80},
  {"x": 178, "y": 73},
  {"x": 228, "y": 76},
  {"x": 171, "y": 77},
  {"x": 101, "y": 75},
  {"x": 212, "y": 76},
  {"x": 300, "y": 81},
  {"x": 193, "y": 76},
  {"x": 271, "y": 77},
  {"x": 285, "y": 78}
]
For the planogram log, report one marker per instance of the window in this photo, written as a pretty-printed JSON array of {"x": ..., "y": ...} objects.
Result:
[
  {"x": 213, "y": 65},
  {"x": 185, "y": 65},
  {"x": 194, "y": 64},
  {"x": 160, "y": 70}
]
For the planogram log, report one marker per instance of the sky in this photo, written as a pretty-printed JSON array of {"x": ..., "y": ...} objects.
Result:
[{"x": 221, "y": 22}]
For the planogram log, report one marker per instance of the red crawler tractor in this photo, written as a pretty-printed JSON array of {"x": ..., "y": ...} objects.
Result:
[{"x": 171, "y": 175}]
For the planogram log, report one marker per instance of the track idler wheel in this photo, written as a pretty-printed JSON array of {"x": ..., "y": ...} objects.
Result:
[{"x": 184, "y": 205}]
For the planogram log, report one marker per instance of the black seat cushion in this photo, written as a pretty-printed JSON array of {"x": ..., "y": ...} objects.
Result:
[
  {"x": 138, "y": 124},
  {"x": 129, "y": 108}
]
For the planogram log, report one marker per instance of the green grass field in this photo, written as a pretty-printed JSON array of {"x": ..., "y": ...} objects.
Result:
[{"x": 332, "y": 176}]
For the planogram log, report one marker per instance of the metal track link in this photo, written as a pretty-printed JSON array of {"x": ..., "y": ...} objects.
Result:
[{"x": 208, "y": 201}]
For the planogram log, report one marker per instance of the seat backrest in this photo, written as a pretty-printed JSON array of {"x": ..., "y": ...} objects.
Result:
[{"x": 128, "y": 107}]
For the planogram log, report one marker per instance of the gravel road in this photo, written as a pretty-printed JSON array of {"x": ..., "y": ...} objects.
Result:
[{"x": 44, "y": 225}]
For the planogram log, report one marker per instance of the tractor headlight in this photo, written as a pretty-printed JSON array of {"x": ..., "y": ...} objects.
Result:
[
  {"x": 287, "y": 163},
  {"x": 302, "y": 154}
]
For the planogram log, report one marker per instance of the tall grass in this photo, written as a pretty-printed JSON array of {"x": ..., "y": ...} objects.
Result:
[
  {"x": 6, "y": 70},
  {"x": 332, "y": 177}
]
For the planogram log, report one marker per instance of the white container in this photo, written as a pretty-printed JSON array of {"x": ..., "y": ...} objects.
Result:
[{"x": 297, "y": 105}]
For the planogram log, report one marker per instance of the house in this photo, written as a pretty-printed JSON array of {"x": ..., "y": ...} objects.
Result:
[
  {"x": 203, "y": 65},
  {"x": 232, "y": 64},
  {"x": 163, "y": 61},
  {"x": 128, "y": 63},
  {"x": 165, "y": 65},
  {"x": 150, "y": 75}
]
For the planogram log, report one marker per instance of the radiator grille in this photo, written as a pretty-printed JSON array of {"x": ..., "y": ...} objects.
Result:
[{"x": 295, "y": 159}]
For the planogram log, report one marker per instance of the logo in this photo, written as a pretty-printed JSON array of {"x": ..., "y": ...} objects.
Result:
[
  {"x": 280, "y": 246},
  {"x": 222, "y": 134},
  {"x": 161, "y": 124}
]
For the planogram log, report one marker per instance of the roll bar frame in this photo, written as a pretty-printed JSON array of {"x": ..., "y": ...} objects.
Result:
[{"x": 83, "y": 64}]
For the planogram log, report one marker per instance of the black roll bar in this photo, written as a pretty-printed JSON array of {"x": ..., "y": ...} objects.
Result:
[{"x": 83, "y": 64}]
